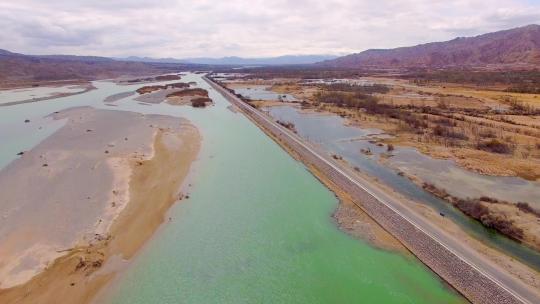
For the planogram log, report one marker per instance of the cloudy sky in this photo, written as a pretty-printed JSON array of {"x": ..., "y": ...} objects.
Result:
[{"x": 249, "y": 28}]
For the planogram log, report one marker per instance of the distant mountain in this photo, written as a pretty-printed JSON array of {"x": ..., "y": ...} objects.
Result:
[
  {"x": 19, "y": 68},
  {"x": 6, "y": 53},
  {"x": 75, "y": 58},
  {"x": 152, "y": 60},
  {"x": 518, "y": 46},
  {"x": 281, "y": 60}
]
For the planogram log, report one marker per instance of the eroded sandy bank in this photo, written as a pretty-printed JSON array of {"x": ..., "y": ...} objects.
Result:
[{"x": 97, "y": 188}]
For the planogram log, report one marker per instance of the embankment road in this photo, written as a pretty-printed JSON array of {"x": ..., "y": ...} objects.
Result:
[{"x": 467, "y": 271}]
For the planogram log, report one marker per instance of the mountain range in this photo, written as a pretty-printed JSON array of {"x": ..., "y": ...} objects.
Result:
[
  {"x": 233, "y": 60},
  {"x": 19, "y": 68},
  {"x": 515, "y": 47}
]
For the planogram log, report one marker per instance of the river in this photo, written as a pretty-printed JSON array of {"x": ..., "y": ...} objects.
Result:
[{"x": 256, "y": 228}]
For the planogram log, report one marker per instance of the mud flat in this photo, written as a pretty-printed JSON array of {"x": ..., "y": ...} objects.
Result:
[
  {"x": 118, "y": 96},
  {"x": 155, "y": 97},
  {"x": 85, "y": 198}
]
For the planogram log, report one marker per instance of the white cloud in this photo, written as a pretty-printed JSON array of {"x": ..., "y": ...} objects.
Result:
[{"x": 168, "y": 28}]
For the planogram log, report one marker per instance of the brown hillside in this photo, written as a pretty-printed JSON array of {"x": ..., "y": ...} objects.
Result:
[{"x": 519, "y": 46}]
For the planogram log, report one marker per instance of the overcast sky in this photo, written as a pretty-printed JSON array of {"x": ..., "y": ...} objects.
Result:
[{"x": 249, "y": 28}]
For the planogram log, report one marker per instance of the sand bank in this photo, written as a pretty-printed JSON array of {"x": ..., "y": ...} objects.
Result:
[
  {"x": 60, "y": 92},
  {"x": 118, "y": 96},
  {"x": 97, "y": 188}
]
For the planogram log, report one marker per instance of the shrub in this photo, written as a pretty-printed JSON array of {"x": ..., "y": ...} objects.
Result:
[
  {"x": 412, "y": 120},
  {"x": 167, "y": 77},
  {"x": 519, "y": 107},
  {"x": 358, "y": 100},
  {"x": 287, "y": 124},
  {"x": 189, "y": 92},
  {"x": 441, "y": 104},
  {"x": 525, "y": 207},
  {"x": 495, "y": 146},
  {"x": 475, "y": 209},
  {"x": 448, "y": 133},
  {"x": 487, "y": 133},
  {"x": 524, "y": 88},
  {"x": 200, "y": 102},
  {"x": 151, "y": 88},
  {"x": 445, "y": 122},
  {"x": 366, "y": 89},
  {"x": 335, "y": 156},
  {"x": 472, "y": 208}
]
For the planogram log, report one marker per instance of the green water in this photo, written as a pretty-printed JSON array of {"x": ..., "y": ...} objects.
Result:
[{"x": 257, "y": 228}]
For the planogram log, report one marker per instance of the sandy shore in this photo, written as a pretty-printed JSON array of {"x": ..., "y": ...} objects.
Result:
[
  {"x": 118, "y": 96},
  {"x": 156, "y": 97},
  {"x": 100, "y": 186},
  {"x": 44, "y": 83}
]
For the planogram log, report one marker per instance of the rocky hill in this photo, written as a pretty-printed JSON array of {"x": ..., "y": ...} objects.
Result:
[
  {"x": 280, "y": 60},
  {"x": 514, "y": 47}
]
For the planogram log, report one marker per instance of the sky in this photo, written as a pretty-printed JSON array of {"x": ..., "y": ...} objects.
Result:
[{"x": 248, "y": 28}]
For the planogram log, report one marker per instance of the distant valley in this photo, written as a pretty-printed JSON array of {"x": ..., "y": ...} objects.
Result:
[{"x": 233, "y": 60}]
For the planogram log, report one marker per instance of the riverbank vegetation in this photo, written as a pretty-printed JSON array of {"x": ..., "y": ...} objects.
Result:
[
  {"x": 287, "y": 124},
  {"x": 189, "y": 92},
  {"x": 516, "y": 81},
  {"x": 200, "y": 102},
  {"x": 518, "y": 221},
  {"x": 197, "y": 97},
  {"x": 153, "y": 88},
  {"x": 440, "y": 123}
]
